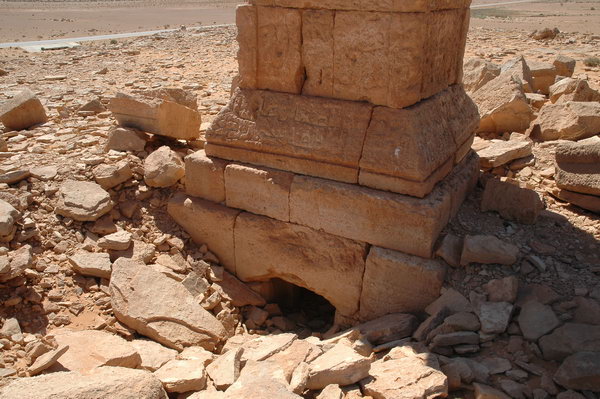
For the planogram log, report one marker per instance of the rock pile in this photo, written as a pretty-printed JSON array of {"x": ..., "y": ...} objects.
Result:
[{"x": 103, "y": 295}]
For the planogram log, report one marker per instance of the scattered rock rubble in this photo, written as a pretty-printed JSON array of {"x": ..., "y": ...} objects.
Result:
[{"x": 91, "y": 265}]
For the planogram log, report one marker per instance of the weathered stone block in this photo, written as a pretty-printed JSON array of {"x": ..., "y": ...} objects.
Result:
[
  {"x": 317, "y": 52},
  {"x": 416, "y": 142},
  {"x": 262, "y": 191},
  {"x": 279, "y": 43},
  {"x": 444, "y": 50},
  {"x": 207, "y": 223},
  {"x": 307, "y": 135},
  {"x": 380, "y": 218},
  {"x": 328, "y": 265},
  {"x": 204, "y": 176},
  {"x": 161, "y": 116},
  {"x": 22, "y": 111},
  {"x": 396, "y": 282},
  {"x": 247, "y": 25}
]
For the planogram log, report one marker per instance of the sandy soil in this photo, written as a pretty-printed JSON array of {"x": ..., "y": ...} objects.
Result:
[{"x": 33, "y": 20}]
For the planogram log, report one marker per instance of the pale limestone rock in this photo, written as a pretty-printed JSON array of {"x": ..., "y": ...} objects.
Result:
[
  {"x": 494, "y": 316},
  {"x": 500, "y": 152},
  {"x": 225, "y": 370},
  {"x": 263, "y": 348},
  {"x": 119, "y": 241},
  {"x": 331, "y": 392},
  {"x": 182, "y": 375},
  {"x": 261, "y": 380},
  {"x": 488, "y": 249},
  {"x": 571, "y": 120},
  {"x": 123, "y": 139},
  {"x": 340, "y": 365},
  {"x": 44, "y": 172},
  {"x": 22, "y": 259},
  {"x": 103, "y": 382},
  {"x": 161, "y": 308},
  {"x": 83, "y": 201},
  {"x": 109, "y": 176},
  {"x": 46, "y": 360},
  {"x": 90, "y": 348},
  {"x": 570, "y": 89},
  {"x": 8, "y": 218},
  {"x": 406, "y": 377},
  {"x": 22, "y": 111},
  {"x": 170, "y": 113},
  {"x": 477, "y": 72},
  {"x": 96, "y": 264},
  {"x": 543, "y": 74},
  {"x": 503, "y": 106},
  {"x": 10, "y": 327},
  {"x": 565, "y": 66},
  {"x": 163, "y": 168},
  {"x": 153, "y": 354},
  {"x": 239, "y": 293}
]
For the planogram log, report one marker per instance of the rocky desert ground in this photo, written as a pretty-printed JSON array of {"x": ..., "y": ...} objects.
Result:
[{"x": 83, "y": 202}]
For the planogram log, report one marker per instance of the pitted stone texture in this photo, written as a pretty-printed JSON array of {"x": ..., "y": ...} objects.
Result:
[
  {"x": 328, "y": 265},
  {"x": 571, "y": 120},
  {"x": 396, "y": 282},
  {"x": 22, "y": 111},
  {"x": 207, "y": 223},
  {"x": 161, "y": 308},
  {"x": 169, "y": 113},
  {"x": 246, "y": 20},
  {"x": 262, "y": 191},
  {"x": 204, "y": 176},
  {"x": 307, "y": 135},
  {"x": 373, "y": 216},
  {"x": 412, "y": 144}
]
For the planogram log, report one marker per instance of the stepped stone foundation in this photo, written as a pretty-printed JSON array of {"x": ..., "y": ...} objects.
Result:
[{"x": 343, "y": 153}]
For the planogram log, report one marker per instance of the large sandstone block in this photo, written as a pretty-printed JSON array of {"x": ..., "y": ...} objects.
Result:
[
  {"x": 22, "y": 111},
  {"x": 328, "y": 265},
  {"x": 406, "y": 151},
  {"x": 444, "y": 50},
  {"x": 381, "y": 218},
  {"x": 409, "y": 150},
  {"x": 502, "y": 105},
  {"x": 572, "y": 120},
  {"x": 396, "y": 282},
  {"x": 246, "y": 20},
  {"x": 262, "y": 191},
  {"x": 301, "y": 134},
  {"x": 204, "y": 176},
  {"x": 207, "y": 223},
  {"x": 317, "y": 52},
  {"x": 342, "y": 51},
  {"x": 279, "y": 48},
  {"x": 368, "y": 5},
  {"x": 168, "y": 114}
]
